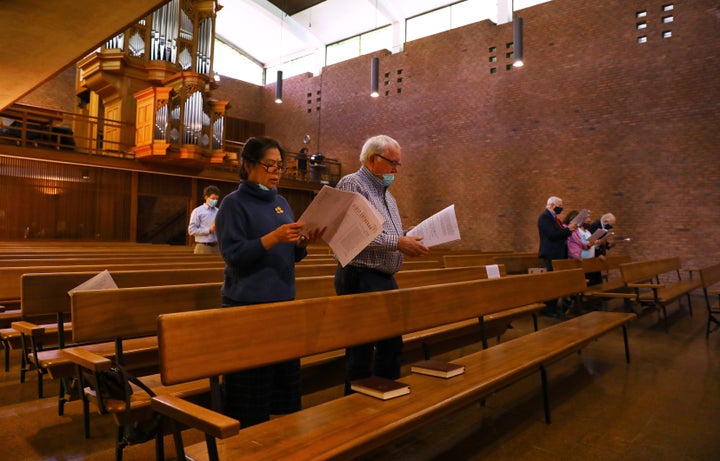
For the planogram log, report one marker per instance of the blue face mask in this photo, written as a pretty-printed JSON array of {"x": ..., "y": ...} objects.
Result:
[
  {"x": 212, "y": 202},
  {"x": 388, "y": 179},
  {"x": 263, "y": 187}
]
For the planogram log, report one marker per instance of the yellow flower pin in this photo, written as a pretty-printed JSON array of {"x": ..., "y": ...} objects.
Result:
[{"x": 279, "y": 210}]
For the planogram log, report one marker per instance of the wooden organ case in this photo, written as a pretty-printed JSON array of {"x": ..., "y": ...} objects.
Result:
[{"x": 158, "y": 74}]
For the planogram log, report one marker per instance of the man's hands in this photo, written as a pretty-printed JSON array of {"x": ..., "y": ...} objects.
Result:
[{"x": 411, "y": 246}]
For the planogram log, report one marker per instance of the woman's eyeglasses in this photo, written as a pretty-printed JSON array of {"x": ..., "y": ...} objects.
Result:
[{"x": 273, "y": 168}]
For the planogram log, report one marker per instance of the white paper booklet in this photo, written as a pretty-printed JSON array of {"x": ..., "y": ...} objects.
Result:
[
  {"x": 598, "y": 236},
  {"x": 102, "y": 281},
  {"x": 442, "y": 227},
  {"x": 493, "y": 271},
  {"x": 581, "y": 217},
  {"x": 351, "y": 221}
]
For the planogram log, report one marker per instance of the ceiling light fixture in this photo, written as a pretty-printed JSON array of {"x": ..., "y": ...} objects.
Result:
[
  {"x": 518, "y": 41},
  {"x": 374, "y": 77},
  {"x": 278, "y": 88}
]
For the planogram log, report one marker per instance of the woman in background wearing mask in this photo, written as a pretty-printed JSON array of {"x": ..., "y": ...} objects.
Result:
[{"x": 260, "y": 243}]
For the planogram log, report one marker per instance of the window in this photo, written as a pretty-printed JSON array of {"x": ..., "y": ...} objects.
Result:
[{"x": 232, "y": 63}]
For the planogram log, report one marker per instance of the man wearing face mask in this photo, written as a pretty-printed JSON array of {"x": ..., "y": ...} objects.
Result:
[
  {"x": 606, "y": 222},
  {"x": 202, "y": 223},
  {"x": 553, "y": 242},
  {"x": 373, "y": 268}
]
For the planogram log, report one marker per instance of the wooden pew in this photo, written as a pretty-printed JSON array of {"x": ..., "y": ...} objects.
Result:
[
  {"x": 125, "y": 302},
  {"x": 353, "y": 425},
  {"x": 44, "y": 296},
  {"x": 611, "y": 287},
  {"x": 710, "y": 277},
  {"x": 644, "y": 277},
  {"x": 10, "y": 277},
  {"x": 109, "y": 260},
  {"x": 112, "y": 322},
  {"x": 515, "y": 263}
]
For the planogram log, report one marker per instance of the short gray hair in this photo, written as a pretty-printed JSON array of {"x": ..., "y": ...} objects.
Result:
[
  {"x": 608, "y": 218},
  {"x": 552, "y": 200},
  {"x": 377, "y": 145}
]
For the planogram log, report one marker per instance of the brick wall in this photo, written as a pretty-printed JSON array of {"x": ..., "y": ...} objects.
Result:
[{"x": 594, "y": 117}]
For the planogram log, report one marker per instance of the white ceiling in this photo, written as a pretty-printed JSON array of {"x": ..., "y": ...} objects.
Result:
[{"x": 266, "y": 34}]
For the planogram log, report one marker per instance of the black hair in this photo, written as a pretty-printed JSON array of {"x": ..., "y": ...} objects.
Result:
[
  {"x": 210, "y": 190},
  {"x": 255, "y": 149}
]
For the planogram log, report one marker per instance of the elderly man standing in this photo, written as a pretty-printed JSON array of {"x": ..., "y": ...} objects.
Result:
[
  {"x": 553, "y": 242},
  {"x": 373, "y": 268}
]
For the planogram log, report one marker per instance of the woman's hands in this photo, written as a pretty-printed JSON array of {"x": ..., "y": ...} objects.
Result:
[
  {"x": 313, "y": 236},
  {"x": 291, "y": 233}
]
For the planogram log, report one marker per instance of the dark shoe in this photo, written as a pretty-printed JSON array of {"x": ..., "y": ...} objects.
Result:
[{"x": 551, "y": 313}]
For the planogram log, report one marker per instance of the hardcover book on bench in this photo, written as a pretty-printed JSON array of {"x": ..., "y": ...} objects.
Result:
[
  {"x": 437, "y": 368},
  {"x": 381, "y": 388}
]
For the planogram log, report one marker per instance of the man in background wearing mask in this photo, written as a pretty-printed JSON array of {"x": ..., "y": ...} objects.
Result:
[
  {"x": 606, "y": 222},
  {"x": 553, "y": 242},
  {"x": 202, "y": 223},
  {"x": 373, "y": 268}
]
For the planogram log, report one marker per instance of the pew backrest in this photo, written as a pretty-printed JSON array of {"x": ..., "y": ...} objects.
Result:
[
  {"x": 47, "y": 293},
  {"x": 280, "y": 331},
  {"x": 646, "y": 270},
  {"x": 710, "y": 276},
  {"x": 102, "y": 315},
  {"x": 10, "y": 277}
]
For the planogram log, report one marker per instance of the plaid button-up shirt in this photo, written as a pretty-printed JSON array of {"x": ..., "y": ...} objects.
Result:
[{"x": 382, "y": 253}]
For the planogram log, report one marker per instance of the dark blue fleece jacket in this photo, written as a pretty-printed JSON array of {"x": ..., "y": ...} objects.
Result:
[{"x": 252, "y": 274}]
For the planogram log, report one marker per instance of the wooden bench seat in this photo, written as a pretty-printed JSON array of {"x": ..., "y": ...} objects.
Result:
[
  {"x": 644, "y": 277},
  {"x": 613, "y": 285},
  {"x": 356, "y": 424},
  {"x": 710, "y": 277},
  {"x": 11, "y": 338},
  {"x": 352, "y": 425}
]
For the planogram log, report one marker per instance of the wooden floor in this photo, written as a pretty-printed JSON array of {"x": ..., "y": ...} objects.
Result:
[{"x": 664, "y": 405}]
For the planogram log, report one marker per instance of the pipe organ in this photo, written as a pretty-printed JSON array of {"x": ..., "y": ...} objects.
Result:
[{"x": 161, "y": 67}]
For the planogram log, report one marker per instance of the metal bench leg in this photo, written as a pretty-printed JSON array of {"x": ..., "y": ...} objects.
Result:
[
  {"x": 160, "y": 445},
  {"x": 535, "y": 321},
  {"x": 483, "y": 335},
  {"x": 212, "y": 448},
  {"x": 6, "y": 346},
  {"x": 689, "y": 303},
  {"x": 627, "y": 345},
  {"x": 546, "y": 397},
  {"x": 665, "y": 319}
]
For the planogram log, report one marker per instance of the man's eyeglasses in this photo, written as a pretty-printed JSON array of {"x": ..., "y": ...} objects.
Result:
[
  {"x": 273, "y": 168},
  {"x": 391, "y": 162}
]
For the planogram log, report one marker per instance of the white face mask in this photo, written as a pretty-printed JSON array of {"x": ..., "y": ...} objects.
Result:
[
  {"x": 263, "y": 187},
  {"x": 212, "y": 202}
]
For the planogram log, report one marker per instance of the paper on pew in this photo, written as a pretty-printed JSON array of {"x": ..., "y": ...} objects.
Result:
[
  {"x": 442, "y": 227},
  {"x": 493, "y": 271},
  {"x": 102, "y": 281},
  {"x": 351, "y": 222}
]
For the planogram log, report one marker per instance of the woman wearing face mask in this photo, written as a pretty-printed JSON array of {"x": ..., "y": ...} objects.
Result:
[
  {"x": 578, "y": 242},
  {"x": 260, "y": 243}
]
